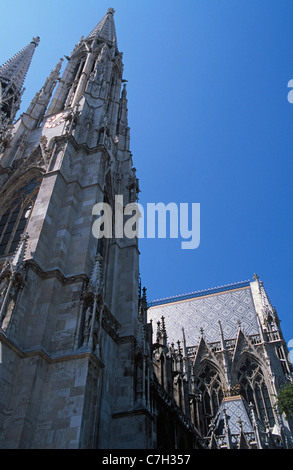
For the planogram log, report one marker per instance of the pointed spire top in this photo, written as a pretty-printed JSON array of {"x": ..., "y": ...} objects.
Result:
[
  {"x": 36, "y": 40},
  {"x": 12, "y": 76},
  {"x": 14, "y": 71},
  {"x": 124, "y": 90},
  {"x": 105, "y": 29},
  {"x": 184, "y": 343},
  {"x": 222, "y": 339}
]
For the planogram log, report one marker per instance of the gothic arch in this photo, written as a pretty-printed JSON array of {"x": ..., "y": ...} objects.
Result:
[
  {"x": 209, "y": 384},
  {"x": 254, "y": 388},
  {"x": 20, "y": 185},
  {"x": 24, "y": 170},
  {"x": 78, "y": 63},
  {"x": 16, "y": 210},
  {"x": 117, "y": 66}
]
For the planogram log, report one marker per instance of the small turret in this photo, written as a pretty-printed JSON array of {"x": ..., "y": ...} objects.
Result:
[
  {"x": 39, "y": 103},
  {"x": 12, "y": 77}
]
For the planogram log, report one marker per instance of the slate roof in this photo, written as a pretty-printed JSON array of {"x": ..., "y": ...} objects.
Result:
[
  {"x": 229, "y": 304},
  {"x": 236, "y": 409}
]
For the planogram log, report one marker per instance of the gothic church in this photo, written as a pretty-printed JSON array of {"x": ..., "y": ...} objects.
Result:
[{"x": 87, "y": 362}]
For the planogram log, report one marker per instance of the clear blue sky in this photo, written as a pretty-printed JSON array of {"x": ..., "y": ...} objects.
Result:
[{"x": 210, "y": 123}]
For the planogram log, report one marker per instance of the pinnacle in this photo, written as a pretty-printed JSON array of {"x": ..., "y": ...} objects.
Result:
[
  {"x": 36, "y": 40},
  {"x": 12, "y": 76}
]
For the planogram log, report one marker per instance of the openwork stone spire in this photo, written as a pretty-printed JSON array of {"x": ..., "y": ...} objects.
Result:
[
  {"x": 12, "y": 77},
  {"x": 105, "y": 29}
]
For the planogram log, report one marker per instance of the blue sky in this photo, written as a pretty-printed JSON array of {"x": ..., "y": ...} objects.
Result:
[{"x": 210, "y": 123}]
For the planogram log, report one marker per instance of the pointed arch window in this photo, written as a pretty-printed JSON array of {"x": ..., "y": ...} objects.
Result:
[
  {"x": 14, "y": 221},
  {"x": 281, "y": 355},
  {"x": 210, "y": 386},
  {"x": 72, "y": 86},
  {"x": 254, "y": 389}
]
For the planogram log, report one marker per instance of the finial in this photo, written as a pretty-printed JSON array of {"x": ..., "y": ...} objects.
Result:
[
  {"x": 255, "y": 277},
  {"x": 111, "y": 10},
  {"x": 56, "y": 70},
  {"x": 124, "y": 91},
  {"x": 36, "y": 40}
]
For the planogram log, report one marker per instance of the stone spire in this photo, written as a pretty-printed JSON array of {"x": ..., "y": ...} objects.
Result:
[
  {"x": 105, "y": 29},
  {"x": 12, "y": 77},
  {"x": 90, "y": 69},
  {"x": 39, "y": 103}
]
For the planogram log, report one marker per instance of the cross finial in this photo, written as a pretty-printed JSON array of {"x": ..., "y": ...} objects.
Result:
[
  {"x": 255, "y": 277},
  {"x": 36, "y": 40}
]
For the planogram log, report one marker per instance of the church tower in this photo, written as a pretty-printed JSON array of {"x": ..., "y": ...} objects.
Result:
[
  {"x": 70, "y": 326},
  {"x": 12, "y": 76},
  {"x": 81, "y": 365}
]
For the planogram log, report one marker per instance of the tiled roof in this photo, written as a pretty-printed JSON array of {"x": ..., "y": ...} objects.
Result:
[{"x": 203, "y": 310}]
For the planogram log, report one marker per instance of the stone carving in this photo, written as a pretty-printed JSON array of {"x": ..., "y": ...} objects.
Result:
[
  {"x": 6, "y": 133},
  {"x": 88, "y": 321},
  {"x": 11, "y": 284},
  {"x": 3, "y": 287},
  {"x": 133, "y": 186}
]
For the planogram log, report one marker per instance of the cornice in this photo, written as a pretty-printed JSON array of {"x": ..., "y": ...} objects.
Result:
[
  {"x": 203, "y": 293},
  {"x": 56, "y": 272},
  {"x": 48, "y": 357}
]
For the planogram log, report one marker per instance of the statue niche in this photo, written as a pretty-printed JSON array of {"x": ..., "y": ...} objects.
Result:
[
  {"x": 89, "y": 333},
  {"x": 8, "y": 298}
]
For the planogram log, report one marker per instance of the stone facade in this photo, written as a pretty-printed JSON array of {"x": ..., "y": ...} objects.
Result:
[
  {"x": 69, "y": 301},
  {"x": 82, "y": 365},
  {"x": 224, "y": 346}
]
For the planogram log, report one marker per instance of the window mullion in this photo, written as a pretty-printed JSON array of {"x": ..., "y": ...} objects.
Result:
[{"x": 16, "y": 223}]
